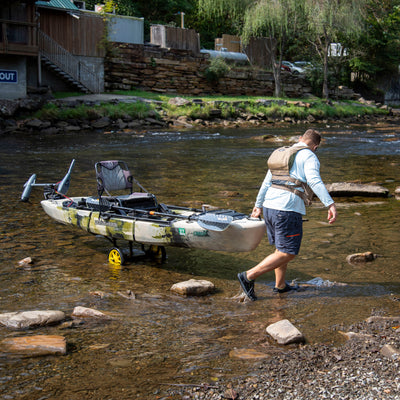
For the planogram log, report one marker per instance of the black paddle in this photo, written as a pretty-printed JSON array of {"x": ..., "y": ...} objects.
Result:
[{"x": 210, "y": 221}]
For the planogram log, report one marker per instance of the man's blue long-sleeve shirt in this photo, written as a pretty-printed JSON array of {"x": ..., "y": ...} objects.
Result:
[{"x": 305, "y": 168}]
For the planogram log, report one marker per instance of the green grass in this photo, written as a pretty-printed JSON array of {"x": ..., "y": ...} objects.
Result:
[
  {"x": 318, "y": 108},
  {"x": 136, "y": 110},
  {"x": 166, "y": 97}
]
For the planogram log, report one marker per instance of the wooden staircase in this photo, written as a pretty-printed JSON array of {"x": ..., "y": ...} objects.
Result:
[{"x": 67, "y": 66}]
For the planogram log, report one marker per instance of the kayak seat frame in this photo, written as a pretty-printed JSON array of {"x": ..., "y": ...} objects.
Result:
[{"x": 114, "y": 175}]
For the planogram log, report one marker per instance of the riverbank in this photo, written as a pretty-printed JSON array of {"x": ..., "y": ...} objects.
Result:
[
  {"x": 365, "y": 367},
  {"x": 130, "y": 113}
]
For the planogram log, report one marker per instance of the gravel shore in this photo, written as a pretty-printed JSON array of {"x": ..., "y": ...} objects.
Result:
[{"x": 357, "y": 370}]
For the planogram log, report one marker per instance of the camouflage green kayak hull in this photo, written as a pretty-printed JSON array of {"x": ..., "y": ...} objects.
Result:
[{"x": 223, "y": 231}]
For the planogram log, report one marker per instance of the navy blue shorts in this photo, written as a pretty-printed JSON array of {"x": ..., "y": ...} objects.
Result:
[{"x": 284, "y": 229}]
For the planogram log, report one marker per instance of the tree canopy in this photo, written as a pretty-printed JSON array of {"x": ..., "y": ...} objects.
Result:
[
  {"x": 328, "y": 21},
  {"x": 302, "y": 29}
]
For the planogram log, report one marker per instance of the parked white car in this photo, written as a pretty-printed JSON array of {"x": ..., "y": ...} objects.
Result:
[
  {"x": 303, "y": 65},
  {"x": 292, "y": 67}
]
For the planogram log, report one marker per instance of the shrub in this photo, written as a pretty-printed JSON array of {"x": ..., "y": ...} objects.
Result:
[{"x": 217, "y": 69}]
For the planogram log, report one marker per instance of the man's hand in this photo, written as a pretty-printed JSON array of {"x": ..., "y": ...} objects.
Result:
[
  {"x": 256, "y": 212},
  {"x": 332, "y": 213}
]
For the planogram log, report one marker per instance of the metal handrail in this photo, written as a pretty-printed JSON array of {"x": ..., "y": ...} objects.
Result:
[{"x": 68, "y": 63}]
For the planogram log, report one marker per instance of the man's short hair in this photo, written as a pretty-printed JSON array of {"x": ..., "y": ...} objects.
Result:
[{"x": 312, "y": 135}]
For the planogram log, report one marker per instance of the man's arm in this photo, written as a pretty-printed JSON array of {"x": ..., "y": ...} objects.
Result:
[
  {"x": 332, "y": 213},
  {"x": 311, "y": 169},
  {"x": 261, "y": 194}
]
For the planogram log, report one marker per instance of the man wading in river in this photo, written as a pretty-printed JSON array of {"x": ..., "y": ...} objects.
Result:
[{"x": 292, "y": 179}]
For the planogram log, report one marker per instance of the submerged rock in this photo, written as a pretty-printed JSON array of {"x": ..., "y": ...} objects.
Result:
[
  {"x": 28, "y": 319},
  {"x": 361, "y": 257},
  {"x": 357, "y": 335},
  {"x": 25, "y": 262},
  {"x": 285, "y": 333},
  {"x": 32, "y": 346},
  {"x": 193, "y": 287},
  {"x": 247, "y": 354}
]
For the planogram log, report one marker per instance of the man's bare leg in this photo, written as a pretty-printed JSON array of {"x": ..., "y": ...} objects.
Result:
[
  {"x": 274, "y": 261},
  {"x": 280, "y": 274}
]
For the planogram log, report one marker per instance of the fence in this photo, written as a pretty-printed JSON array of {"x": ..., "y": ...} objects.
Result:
[
  {"x": 258, "y": 51},
  {"x": 228, "y": 43},
  {"x": 175, "y": 38}
]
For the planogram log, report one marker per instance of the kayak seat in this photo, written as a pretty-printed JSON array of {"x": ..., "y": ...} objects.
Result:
[{"x": 114, "y": 175}]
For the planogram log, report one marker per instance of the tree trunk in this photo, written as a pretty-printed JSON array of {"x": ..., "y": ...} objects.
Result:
[
  {"x": 325, "y": 49},
  {"x": 276, "y": 70}
]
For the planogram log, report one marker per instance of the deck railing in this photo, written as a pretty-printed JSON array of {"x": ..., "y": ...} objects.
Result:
[
  {"x": 68, "y": 63},
  {"x": 18, "y": 37}
]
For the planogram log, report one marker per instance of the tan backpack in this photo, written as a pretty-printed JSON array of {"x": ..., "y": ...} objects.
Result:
[{"x": 280, "y": 162}]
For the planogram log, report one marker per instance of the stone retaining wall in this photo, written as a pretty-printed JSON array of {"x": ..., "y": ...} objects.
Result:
[{"x": 163, "y": 70}]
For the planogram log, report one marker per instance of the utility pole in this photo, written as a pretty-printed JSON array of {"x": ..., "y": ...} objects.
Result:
[
  {"x": 182, "y": 20},
  {"x": 182, "y": 14}
]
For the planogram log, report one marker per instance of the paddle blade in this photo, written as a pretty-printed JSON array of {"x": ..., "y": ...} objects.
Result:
[
  {"x": 28, "y": 188},
  {"x": 63, "y": 186},
  {"x": 214, "y": 222}
]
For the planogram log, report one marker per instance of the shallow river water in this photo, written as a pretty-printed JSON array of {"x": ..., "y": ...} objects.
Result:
[{"x": 160, "y": 338}]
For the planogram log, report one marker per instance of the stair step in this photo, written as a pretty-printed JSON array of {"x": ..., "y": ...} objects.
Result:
[{"x": 64, "y": 75}]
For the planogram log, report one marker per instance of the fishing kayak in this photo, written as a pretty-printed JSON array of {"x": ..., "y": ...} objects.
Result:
[
  {"x": 221, "y": 230},
  {"x": 139, "y": 217}
]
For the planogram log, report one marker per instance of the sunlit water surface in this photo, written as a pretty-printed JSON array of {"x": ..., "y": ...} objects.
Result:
[{"x": 161, "y": 338}]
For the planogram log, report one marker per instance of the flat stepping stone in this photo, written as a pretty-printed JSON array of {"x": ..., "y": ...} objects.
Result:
[
  {"x": 193, "y": 287},
  {"x": 38, "y": 345},
  {"x": 348, "y": 189},
  {"x": 28, "y": 319},
  {"x": 85, "y": 312},
  {"x": 285, "y": 333}
]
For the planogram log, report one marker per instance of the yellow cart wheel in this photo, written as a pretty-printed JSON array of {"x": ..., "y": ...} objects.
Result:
[
  {"x": 156, "y": 253},
  {"x": 115, "y": 256}
]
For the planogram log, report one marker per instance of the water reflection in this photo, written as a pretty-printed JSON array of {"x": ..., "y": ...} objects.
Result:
[{"x": 158, "y": 337}]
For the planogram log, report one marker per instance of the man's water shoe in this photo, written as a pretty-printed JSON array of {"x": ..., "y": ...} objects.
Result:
[
  {"x": 287, "y": 288},
  {"x": 247, "y": 286}
]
